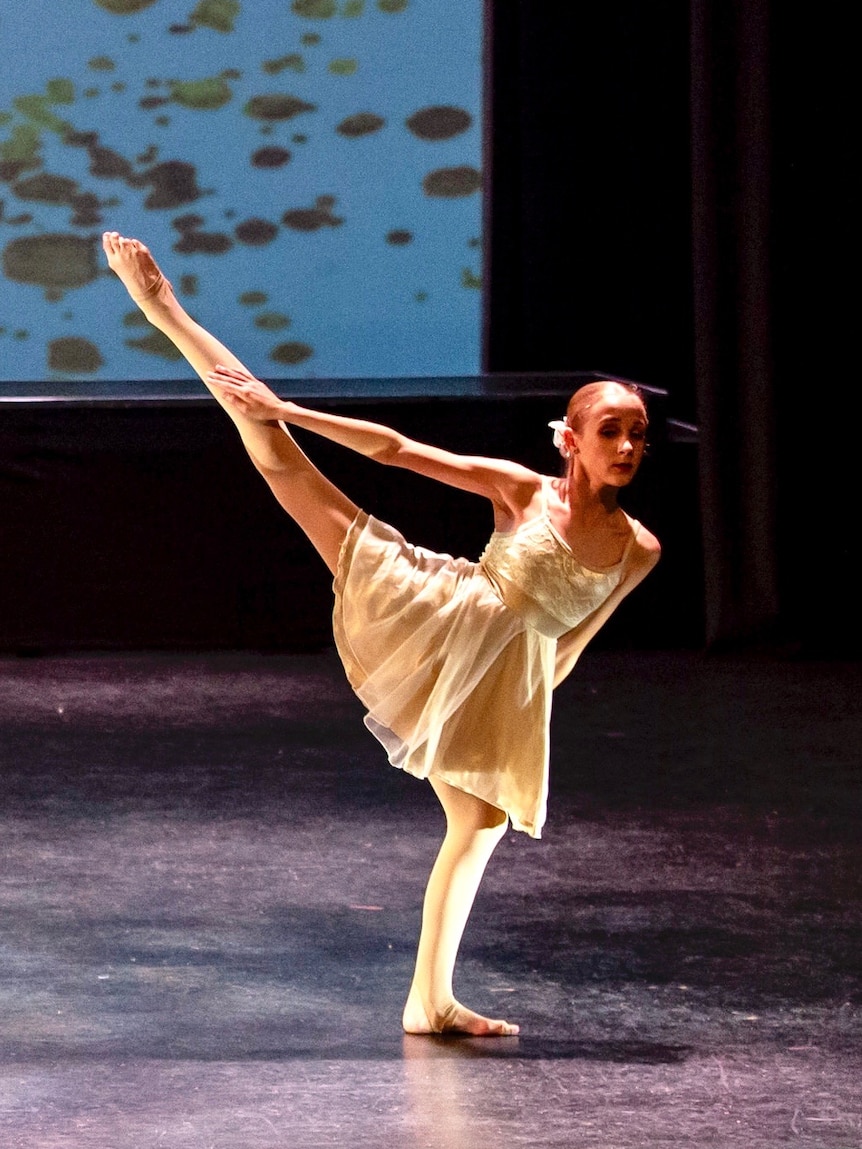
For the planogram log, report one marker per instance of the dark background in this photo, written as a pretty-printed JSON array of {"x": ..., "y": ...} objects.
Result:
[{"x": 669, "y": 201}]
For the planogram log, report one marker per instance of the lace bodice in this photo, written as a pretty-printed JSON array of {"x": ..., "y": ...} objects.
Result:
[{"x": 535, "y": 573}]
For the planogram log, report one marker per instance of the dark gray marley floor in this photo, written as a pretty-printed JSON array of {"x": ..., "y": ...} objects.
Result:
[{"x": 210, "y": 893}]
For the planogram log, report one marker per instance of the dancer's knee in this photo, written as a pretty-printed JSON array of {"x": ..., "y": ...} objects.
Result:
[
  {"x": 497, "y": 832},
  {"x": 471, "y": 846},
  {"x": 468, "y": 813}
]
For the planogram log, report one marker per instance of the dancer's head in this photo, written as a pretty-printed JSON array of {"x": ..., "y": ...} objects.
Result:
[{"x": 604, "y": 432}]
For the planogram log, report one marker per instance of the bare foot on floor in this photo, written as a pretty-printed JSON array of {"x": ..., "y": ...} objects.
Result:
[
  {"x": 139, "y": 272},
  {"x": 457, "y": 1019}
]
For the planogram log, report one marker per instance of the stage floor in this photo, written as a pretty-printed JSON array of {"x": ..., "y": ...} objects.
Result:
[{"x": 210, "y": 893}]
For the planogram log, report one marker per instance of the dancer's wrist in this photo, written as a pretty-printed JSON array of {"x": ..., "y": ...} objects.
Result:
[{"x": 287, "y": 411}]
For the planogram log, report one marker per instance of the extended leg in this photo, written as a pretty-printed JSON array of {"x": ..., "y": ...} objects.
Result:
[
  {"x": 473, "y": 829},
  {"x": 318, "y": 507}
]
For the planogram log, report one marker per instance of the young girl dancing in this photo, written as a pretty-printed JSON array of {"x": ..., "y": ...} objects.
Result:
[{"x": 455, "y": 661}]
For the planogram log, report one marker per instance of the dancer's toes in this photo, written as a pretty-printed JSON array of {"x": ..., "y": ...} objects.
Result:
[
  {"x": 456, "y": 1019},
  {"x": 459, "y": 1019},
  {"x": 135, "y": 266}
]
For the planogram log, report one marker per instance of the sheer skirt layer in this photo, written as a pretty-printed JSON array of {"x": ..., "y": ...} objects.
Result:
[{"x": 456, "y": 685}]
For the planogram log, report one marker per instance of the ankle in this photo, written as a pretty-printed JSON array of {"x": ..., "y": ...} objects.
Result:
[{"x": 157, "y": 303}]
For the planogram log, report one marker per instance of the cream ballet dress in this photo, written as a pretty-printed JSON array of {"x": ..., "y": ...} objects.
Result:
[{"x": 455, "y": 660}]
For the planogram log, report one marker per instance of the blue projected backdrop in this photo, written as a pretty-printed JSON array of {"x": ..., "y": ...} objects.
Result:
[{"x": 308, "y": 174}]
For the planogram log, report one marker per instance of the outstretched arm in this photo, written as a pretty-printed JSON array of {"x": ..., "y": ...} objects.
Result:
[
  {"x": 508, "y": 485},
  {"x": 257, "y": 412}
]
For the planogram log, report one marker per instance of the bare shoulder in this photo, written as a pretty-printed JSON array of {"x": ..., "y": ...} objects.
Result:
[
  {"x": 525, "y": 482},
  {"x": 647, "y": 541},
  {"x": 516, "y": 472},
  {"x": 646, "y": 552},
  {"x": 519, "y": 495}
]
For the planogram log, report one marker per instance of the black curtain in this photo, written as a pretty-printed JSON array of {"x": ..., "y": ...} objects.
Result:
[
  {"x": 814, "y": 265},
  {"x": 672, "y": 191},
  {"x": 731, "y": 203},
  {"x": 774, "y": 190},
  {"x": 589, "y": 207}
]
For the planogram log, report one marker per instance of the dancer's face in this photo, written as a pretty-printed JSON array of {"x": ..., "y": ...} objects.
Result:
[{"x": 610, "y": 441}]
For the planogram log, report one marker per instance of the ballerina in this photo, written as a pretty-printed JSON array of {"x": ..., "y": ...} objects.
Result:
[{"x": 454, "y": 660}]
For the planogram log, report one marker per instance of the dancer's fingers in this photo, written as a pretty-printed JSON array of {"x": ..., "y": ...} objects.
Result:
[
  {"x": 236, "y": 374},
  {"x": 230, "y": 397},
  {"x": 227, "y": 387}
]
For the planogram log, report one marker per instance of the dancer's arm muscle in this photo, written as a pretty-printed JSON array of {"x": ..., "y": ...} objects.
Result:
[
  {"x": 506, "y": 484},
  {"x": 497, "y": 479}
]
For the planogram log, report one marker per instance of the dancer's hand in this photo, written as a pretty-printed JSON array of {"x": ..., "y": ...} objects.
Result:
[{"x": 246, "y": 394}]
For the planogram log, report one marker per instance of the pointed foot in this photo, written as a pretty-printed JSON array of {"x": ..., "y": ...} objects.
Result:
[{"x": 140, "y": 274}]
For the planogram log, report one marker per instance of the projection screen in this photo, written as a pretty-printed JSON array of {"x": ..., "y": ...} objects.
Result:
[{"x": 309, "y": 174}]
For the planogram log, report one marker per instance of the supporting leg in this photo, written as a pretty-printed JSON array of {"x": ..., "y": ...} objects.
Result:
[{"x": 473, "y": 829}]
